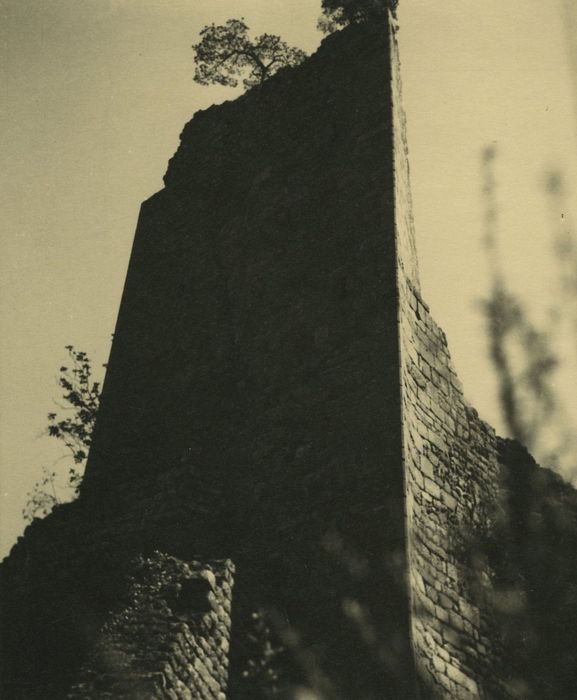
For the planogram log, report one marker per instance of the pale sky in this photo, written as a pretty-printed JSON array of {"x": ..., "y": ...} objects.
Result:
[{"x": 95, "y": 94}]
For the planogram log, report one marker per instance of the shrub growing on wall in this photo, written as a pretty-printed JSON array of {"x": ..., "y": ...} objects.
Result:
[{"x": 81, "y": 397}]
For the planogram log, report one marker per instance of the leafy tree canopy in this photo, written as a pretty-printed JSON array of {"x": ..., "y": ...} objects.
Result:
[
  {"x": 82, "y": 399},
  {"x": 225, "y": 52},
  {"x": 339, "y": 13}
]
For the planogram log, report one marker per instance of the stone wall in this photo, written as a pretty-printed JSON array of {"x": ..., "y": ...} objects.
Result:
[
  {"x": 67, "y": 595},
  {"x": 406, "y": 244},
  {"x": 533, "y": 550},
  {"x": 172, "y": 639},
  {"x": 452, "y": 478},
  {"x": 256, "y": 349},
  {"x": 251, "y": 409}
]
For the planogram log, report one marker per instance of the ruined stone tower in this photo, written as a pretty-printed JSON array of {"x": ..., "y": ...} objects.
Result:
[{"x": 283, "y": 458}]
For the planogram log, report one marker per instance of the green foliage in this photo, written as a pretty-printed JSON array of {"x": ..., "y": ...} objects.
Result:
[
  {"x": 263, "y": 665},
  {"x": 42, "y": 498},
  {"x": 525, "y": 394},
  {"x": 82, "y": 397},
  {"x": 339, "y": 13},
  {"x": 531, "y": 552},
  {"x": 525, "y": 354},
  {"x": 225, "y": 52}
]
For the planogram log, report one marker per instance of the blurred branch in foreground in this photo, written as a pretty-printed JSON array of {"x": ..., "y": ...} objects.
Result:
[{"x": 524, "y": 354}]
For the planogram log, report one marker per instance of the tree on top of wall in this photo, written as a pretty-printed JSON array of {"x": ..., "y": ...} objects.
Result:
[
  {"x": 340, "y": 13},
  {"x": 82, "y": 399},
  {"x": 225, "y": 53}
]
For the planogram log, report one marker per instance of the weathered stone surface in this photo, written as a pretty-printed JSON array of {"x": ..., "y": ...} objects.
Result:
[{"x": 138, "y": 658}]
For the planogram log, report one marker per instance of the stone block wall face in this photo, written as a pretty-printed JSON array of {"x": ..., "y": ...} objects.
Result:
[
  {"x": 452, "y": 482},
  {"x": 171, "y": 642},
  {"x": 406, "y": 244},
  {"x": 452, "y": 478},
  {"x": 65, "y": 593}
]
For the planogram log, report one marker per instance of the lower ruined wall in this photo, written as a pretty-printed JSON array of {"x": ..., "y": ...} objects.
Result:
[
  {"x": 534, "y": 553},
  {"x": 85, "y": 599},
  {"x": 171, "y": 641},
  {"x": 452, "y": 479}
]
